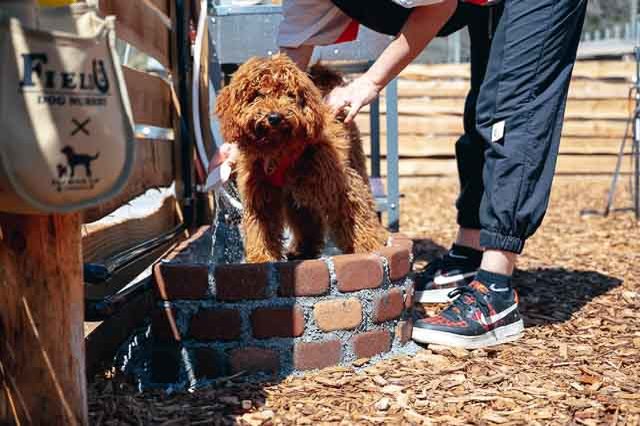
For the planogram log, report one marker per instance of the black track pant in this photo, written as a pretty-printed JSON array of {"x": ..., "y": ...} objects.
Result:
[{"x": 513, "y": 114}]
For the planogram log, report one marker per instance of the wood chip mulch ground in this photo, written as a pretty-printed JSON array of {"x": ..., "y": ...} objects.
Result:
[{"x": 578, "y": 362}]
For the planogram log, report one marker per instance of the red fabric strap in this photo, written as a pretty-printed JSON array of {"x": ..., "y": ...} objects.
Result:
[
  {"x": 277, "y": 177},
  {"x": 350, "y": 33}
]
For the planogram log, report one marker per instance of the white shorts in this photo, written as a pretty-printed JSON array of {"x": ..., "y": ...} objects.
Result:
[
  {"x": 320, "y": 22},
  {"x": 314, "y": 22}
]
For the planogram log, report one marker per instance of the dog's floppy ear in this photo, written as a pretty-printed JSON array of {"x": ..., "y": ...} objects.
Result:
[
  {"x": 232, "y": 98},
  {"x": 314, "y": 108},
  {"x": 231, "y": 131}
]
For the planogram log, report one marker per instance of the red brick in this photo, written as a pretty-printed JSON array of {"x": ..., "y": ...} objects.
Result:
[
  {"x": 163, "y": 325},
  {"x": 254, "y": 360},
  {"x": 389, "y": 306},
  {"x": 165, "y": 364},
  {"x": 181, "y": 281},
  {"x": 208, "y": 363},
  {"x": 216, "y": 324},
  {"x": 287, "y": 321},
  {"x": 372, "y": 343},
  {"x": 358, "y": 271},
  {"x": 339, "y": 314},
  {"x": 409, "y": 297},
  {"x": 398, "y": 259},
  {"x": 241, "y": 282},
  {"x": 303, "y": 278},
  {"x": 404, "y": 330},
  {"x": 311, "y": 356},
  {"x": 401, "y": 240}
]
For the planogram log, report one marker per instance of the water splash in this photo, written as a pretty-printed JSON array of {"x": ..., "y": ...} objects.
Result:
[{"x": 227, "y": 244}]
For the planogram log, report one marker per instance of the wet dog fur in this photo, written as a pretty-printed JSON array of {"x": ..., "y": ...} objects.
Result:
[{"x": 275, "y": 113}]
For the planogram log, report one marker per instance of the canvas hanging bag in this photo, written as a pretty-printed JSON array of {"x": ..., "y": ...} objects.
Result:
[{"x": 66, "y": 128}]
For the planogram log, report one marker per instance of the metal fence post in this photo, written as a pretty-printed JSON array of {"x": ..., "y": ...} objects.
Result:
[{"x": 393, "y": 189}]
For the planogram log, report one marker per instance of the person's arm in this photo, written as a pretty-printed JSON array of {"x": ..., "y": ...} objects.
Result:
[{"x": 421, "y": 27}]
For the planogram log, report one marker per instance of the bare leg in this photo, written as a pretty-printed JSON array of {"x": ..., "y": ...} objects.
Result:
[
  {"x": 499, "y": 262},
  {"x": 300, "y": 55},
  {"x": 469, "y": 238}
]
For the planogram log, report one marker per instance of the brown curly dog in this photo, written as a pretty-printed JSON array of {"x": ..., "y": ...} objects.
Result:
[{"x": 297, "y": 165}]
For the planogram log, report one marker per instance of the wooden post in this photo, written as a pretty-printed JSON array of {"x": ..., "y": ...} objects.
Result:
[
  {"x": 42, "y": 373},
  {"x": 42, "y": 367}
]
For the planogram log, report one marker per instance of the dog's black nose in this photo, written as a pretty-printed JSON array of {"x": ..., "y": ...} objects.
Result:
[{"x": 274, "y": 118}]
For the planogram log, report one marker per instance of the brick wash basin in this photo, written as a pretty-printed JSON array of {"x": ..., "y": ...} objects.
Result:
[{"x": 277, "y": 318}]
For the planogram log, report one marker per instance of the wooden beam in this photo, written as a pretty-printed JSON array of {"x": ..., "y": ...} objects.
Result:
[
  {"x": 42, "y": 369},
  {"x": 150, "y": 98},
  {"x": 161, "y": 5},
  {"x": 444, "y": 146},
  {"x": 591, "y": 70},
  {"x": 153, "y": 168},
  {"x": 452, "y": 125},
  {"x": 580, "y": 89},
  {"x": 141, "y": 25},
  {"x": 581, "y": 109},
  {"x": 566, "y": 165},
  {"x": 103, "y": 238}
]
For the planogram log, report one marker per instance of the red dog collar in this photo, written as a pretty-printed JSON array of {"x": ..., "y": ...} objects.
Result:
[{"x": 277, "y": 177}]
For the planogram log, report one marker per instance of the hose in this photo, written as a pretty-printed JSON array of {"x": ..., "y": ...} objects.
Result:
[{"x": 195, "y": 85}]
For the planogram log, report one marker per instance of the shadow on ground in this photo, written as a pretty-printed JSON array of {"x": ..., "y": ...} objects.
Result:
[
  {"x": 547, "y": 295},
  {"x": 116, "y": 402},
  {"x": 553, "y": 295}
]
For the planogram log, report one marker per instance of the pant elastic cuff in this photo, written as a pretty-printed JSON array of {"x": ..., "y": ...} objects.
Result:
[{"x": 494, "y": 241}]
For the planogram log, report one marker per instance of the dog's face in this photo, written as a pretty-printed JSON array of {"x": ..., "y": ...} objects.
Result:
[
  {"x": 269, "y": 105},
  {"x": 67, "y": 150}
]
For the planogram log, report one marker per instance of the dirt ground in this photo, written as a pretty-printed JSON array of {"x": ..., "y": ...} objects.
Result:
[{"x": 578, "y": 362}]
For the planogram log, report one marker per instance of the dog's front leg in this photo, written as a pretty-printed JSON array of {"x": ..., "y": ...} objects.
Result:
[
  {"x": 263, "y": 224},
  {"x": 308, "y": 229},
  {"x": 355, "y": 225}
]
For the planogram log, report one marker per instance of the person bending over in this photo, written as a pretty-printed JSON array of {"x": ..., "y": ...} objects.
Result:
[{"x": 522, "y": 57}]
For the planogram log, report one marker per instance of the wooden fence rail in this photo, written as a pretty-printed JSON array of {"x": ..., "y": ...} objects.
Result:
[
  {"x": 431, "y": 104},
  {"x": 42, "y": 355}
]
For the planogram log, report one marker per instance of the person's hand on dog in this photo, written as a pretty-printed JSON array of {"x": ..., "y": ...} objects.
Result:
[
  {"x": 221, "y": 165},
  {"x": 351, "y": 98},
  {"x": 227, "y": 153}
]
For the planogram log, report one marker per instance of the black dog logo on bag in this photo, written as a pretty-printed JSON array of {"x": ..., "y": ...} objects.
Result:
[
  {"x": 74, "y": 159},
  {"x": 65, "y": 179}
]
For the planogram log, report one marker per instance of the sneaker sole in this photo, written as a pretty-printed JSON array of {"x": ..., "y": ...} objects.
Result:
[
  {"x": 434, "y": 296},
  {"x": 504, "y": 334}
]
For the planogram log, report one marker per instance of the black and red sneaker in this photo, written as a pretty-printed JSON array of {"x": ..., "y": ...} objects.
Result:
[
  {"x": 455, "y": 269},
  {"x": 476, "y": 319}
]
